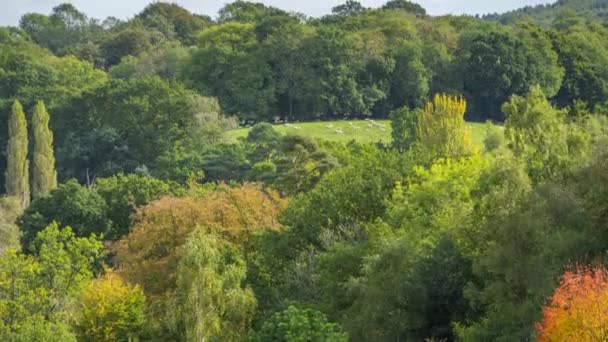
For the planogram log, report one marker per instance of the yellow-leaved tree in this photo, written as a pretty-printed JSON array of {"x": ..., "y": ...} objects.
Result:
[
  {"x": 111, "y": 310},
  {"x": 442, "y": 131}
]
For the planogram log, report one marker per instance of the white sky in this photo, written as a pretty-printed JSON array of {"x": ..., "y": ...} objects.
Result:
[{"x": 12, "y": 10}]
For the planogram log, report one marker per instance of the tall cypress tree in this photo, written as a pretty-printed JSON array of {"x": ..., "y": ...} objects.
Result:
[
  {"x": 44, "y": 174},
  {"x": 17, "y": 168}
]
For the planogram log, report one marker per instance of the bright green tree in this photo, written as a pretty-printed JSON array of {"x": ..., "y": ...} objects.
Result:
[
  {"x": 67, "y": 264},
  {"x": 44, "y": 174},
  {"x": 19, "y": 276},
  {"x": 10, "y": 210},
  {"x": 37, "y": 290},
  {"x": 295, "y": 324},
  {"x": 212, "y": 300},
  {"x": 17, "y": 170},
  {"x": 537, "y": 133}
]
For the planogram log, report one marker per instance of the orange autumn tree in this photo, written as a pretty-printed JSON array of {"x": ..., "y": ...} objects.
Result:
[
  {"x": 579, "y": 308},
  {"x": 149, "y": 255}
]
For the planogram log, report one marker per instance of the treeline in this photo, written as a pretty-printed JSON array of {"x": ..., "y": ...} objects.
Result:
[
  {"x": 559, "y": 11},
  {"x": 262, "y": 62},
  {"x": 169, "y": 73}
]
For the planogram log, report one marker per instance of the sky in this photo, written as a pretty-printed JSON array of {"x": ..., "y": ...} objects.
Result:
[{"x": 12, "y": 10}]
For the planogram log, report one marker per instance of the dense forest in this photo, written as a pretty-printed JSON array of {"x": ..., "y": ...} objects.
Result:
[{"x": 128, "y": 214}]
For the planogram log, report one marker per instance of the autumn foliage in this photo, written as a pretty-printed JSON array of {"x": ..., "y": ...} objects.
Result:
[
  {"x": 111, "y": 310},
  {"x": 579, "y": 308},
  {"x": 150, "y": 253}
]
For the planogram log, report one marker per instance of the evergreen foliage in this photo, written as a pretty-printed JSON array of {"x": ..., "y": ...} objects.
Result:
[
  {"x": 44, "y": 174},
  {"x": 17, "y": 166}
]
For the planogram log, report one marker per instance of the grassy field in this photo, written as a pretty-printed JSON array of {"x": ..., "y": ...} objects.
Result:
[{"x": 345, "y": 131}]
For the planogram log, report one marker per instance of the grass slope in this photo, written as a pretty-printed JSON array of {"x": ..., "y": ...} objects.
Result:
[{"x": 358, "y": 130}]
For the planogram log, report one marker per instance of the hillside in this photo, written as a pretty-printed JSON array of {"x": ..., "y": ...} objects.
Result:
[
  {"x": 545, "y": 15},
  {"x": 145, "y": 196}
]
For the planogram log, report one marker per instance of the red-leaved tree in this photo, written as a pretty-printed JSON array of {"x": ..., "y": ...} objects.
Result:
[{"x": 579, "y": 308}]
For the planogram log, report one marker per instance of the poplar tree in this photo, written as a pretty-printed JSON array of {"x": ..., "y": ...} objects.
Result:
[
  {"x": 44, "y": 174},
  {"x": 17, "y": 168},
  {"x": 442, "y": 131}
]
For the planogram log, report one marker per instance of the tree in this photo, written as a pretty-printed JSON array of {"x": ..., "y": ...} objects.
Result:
[
  {"x": 67, "y": 263},
  {"x": 124, "y": 194},
  {"x": 150, "y": 253},
  {"x": 163, "y": 61},
  {"x": 410, "y": 81},
  {"x": 403, "y": 124},
  {"x": 405, "y": 5},
  {"x": 421, "y": 287},
  {"x": 136, "y": 121},
  {"x": 110, "y": 310},
  {"x": 503, "y": 63},
  {"x": 296, "y": 324},
  {"x": 65, "y": 31},
  {"x": 547, "y": 227},
  {"x": 183, "y": 23},
  {"x": 230, "y": 65},
  {"x": 70, "y": 204},
  {"x": 343, "y": 198},
  {"x": 287, "y": 60},
  {"x": 36, "y": 290},
  {"x": 349, "y": 8},
  {"x": 536, "y": 132},
  {"x": 129, "y": 42},
  {"x": 35, "y": 329},
  {"x": 331, "y": 76},
  {"x": 577, "y": 310},
  {"x": 442, "y": 131},
  {"x": 17, "y": 162},
  {"x": 247, "y": 12},
  {"x": 33, "y": 74},
  {"x": 21, "y": 295},
  {"x": 300, "y": 164},
  {"x": 225, "y": 163},
  {"x": 10, "y": 210},
  {"x": 44, "y": 175},
  {"x": 582, "y": 51},
  {"x": 213, "y": 302}
]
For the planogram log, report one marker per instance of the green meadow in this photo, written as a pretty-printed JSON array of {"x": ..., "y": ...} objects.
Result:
[{"x": 362, "y": 131}]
